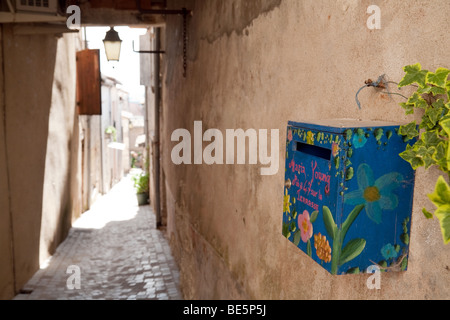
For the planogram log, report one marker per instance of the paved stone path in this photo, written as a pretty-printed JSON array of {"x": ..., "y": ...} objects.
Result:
[{"x": 117, "y": 252}]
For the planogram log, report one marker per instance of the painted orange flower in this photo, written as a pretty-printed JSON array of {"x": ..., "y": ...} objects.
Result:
[
  {"x": 335, "y": 149},
  {"x": 323, "y": 248}
]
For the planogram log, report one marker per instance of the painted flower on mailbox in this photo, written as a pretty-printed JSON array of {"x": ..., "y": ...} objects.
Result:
[
  {"x": 323, "y": 248},
  {"x": 359, "y": 139},
  {"x": 376, "y": 195},
  {"x": 305, "y": 226},
  {"x": 388, "y": 251},
  {"x": 335, "y": 149},
  {"x": 287, "y": 203},
  {"x": 310, "y": 138},
  {"x": 289, "y": 135}
]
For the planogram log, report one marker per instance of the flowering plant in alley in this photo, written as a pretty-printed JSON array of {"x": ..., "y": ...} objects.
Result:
[
  {"x": 141, "y": 183},
  {"x": 432, "y": 134}
]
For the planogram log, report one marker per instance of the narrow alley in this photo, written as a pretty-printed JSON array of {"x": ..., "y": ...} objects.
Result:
[{"x": 118, "y": 251}]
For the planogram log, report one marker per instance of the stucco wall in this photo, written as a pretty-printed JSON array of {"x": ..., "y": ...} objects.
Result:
[
  {"x": 259, "y": 64},
  {"x": 61, "y": 202},
  {"x": 37, "y": 151}
]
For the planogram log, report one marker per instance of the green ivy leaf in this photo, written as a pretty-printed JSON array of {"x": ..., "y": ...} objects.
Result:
[
  {"x": 441, "y": 194},
  {"x": 443, "y": 215},
  {"x": 352, "y": 250},
  {"x": 439, "y": 78},
  {"x": 435, "y": 112},
  {"x": 431, "y": 138},
  {"x": 445, "y": 124},
  {"x": 417, "y": 100},
  {"x": 414, "y": 74},
  {"x": 409, "y": 108},
  {"x": 447, "y": 88},
  {"x": 431, "y": 90},
  {"x": 427, "y": 214},
  {"x": 410, "y": 155},
  {"x": 409, "y": 131},
  {"x": 427, "y": 156}
]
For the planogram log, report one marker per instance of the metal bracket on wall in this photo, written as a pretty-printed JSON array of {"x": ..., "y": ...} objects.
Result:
[
  {"x": 148, "y": 51},
  {"x": 185, "y": 13}
]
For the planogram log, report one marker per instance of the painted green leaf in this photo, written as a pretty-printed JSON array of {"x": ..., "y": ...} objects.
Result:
[
  {"x": 409, "y": 131},
  {"x": 414, "y": 74},
  {"x": 405, "y": 238},
  {"x": 350, "y": 219},
  {"x": 308, "y": 248},
  {"x": 389, "y": 134},
  {"x": 297, "y": 237},
  {"x": 355, "y": 270},
  {"x": 349, "y": 173},
  {"x": 352, "y": 250},
  {"x": 378, "y": 134},
  {"x": 337, "y": 162},
  {"x": 314, "y": 216},
  {"x": 439, "y": 78},
  {"x": 348, "y": 134},
  {"x": 404, "y": 264},
  {"x": 350, "y": 153},
  {"x": 328, "y": 220},
  {"x": 285, "y": 230}
]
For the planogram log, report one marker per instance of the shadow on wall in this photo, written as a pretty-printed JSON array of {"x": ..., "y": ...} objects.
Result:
[{"x": 28, "y": 83}]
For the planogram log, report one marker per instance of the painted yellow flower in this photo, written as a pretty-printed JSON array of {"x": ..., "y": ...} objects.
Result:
[
  {"x": 287, "y": 203},
  {"x": 310, "y": 138},
  {"x": 323, "y": 248}
]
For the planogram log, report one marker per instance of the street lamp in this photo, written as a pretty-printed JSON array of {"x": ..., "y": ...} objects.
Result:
[{"x": 112, "y": 44}]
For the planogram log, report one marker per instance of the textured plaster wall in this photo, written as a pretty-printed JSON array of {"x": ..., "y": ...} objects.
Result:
[
  {"x": 258, "y": 64},
  {"x": 62, "y": 174},
  {"x": 37, "y": 151}
]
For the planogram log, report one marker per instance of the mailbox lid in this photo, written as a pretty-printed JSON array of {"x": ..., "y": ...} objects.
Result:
[{"x": 340, "y": 126}]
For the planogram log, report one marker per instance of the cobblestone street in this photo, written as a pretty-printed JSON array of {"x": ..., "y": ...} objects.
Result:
[{"x": 119, "y": 253}]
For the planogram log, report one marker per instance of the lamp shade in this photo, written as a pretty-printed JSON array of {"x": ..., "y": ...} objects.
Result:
[{"x": 112, "y": 44}]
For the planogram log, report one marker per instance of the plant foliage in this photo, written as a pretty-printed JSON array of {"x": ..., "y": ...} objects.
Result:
[{"x": 432, "y": 134}]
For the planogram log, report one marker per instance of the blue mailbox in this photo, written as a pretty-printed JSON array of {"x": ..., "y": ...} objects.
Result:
[{"x": 348, "y": 195}]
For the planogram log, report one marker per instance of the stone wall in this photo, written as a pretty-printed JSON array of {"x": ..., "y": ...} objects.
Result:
[{"x": 259, "y": 64}]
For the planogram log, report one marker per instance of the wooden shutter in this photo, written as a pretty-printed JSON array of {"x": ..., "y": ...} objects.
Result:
[{"x": 89, "y": 97}]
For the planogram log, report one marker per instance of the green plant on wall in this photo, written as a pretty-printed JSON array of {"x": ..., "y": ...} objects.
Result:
[
  {"x": 432, "y": 97},
  {"x": 112, "y": 131}
]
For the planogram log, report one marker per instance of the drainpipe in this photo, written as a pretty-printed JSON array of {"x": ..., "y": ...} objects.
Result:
[{"x": 157, "y": 127}]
